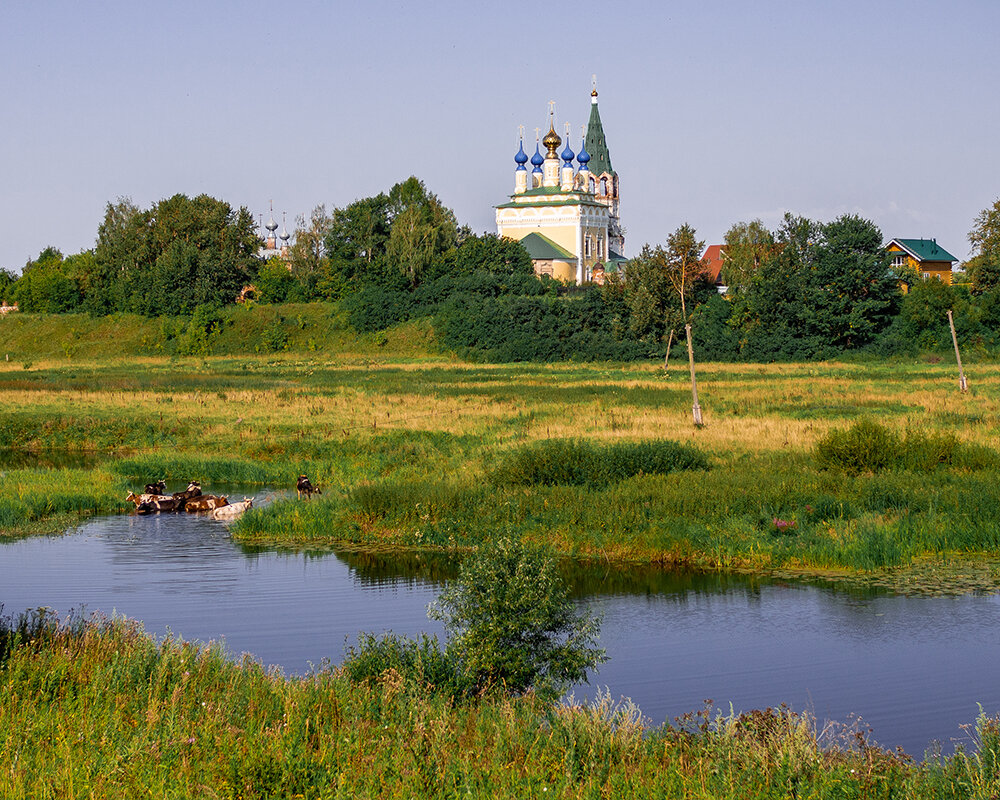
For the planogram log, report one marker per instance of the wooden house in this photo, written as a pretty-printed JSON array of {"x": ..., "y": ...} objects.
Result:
[{"x": 925, "y": 256}]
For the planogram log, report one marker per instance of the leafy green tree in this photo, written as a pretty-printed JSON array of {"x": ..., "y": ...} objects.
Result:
[
  {"x": 181, "y": 253},
  {"x": 274, "y": 281},
  {"x": 512, "y": 624},
  {"x": 421, "y": 229},
  {"x": 355, "y": 245},
  {"x": 684, "y": 266},
  {"x": 826, "y": 288},
  {"x": 7, "y": 280},
  {"x": 490, "y": 253},
  {"x": 47, "y": 285},
  {"x": 307, "y": 255},
  {"x": 748, "y": 247},
  {"x": 984, "y": 265}
]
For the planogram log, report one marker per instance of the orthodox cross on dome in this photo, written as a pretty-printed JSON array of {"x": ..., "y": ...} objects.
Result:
[
  {"x": 552, "y": 109},
  {"x": 538, "y": 134},
  {"x": 520, "y": 131}
]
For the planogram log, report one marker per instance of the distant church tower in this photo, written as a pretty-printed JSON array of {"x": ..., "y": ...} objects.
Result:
[
  {"x": 566, "y": 215},
  {"x": 271, "y": 247},
  {"x": 605, "y": 175}
]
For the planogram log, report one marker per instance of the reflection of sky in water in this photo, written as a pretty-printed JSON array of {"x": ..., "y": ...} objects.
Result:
[{"x": 914, "y": 668}]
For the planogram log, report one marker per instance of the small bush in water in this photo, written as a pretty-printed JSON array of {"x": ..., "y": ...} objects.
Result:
[
  {"x": 512, "y": 627},
  {"x": 512, "y": 623},
  {"x": 579, "y": 463}
]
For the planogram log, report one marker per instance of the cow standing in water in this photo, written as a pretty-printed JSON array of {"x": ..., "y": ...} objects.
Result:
[{"x": 306, "y": 488}]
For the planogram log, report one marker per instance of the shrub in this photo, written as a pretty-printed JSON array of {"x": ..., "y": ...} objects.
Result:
[
  {"x": 866, "y": 446},
  {"x": 576, "y": 463},
  {"x": 512, "y": 624},
  {"x": 512, "y": 627},
  {"x": 204, "y": 328},
  {"x": 421, "y": 663},
  {"x": 273, "y": 338}
]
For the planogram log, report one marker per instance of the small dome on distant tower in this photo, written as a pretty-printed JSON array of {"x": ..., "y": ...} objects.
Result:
[
  {"x": 285, "y": 236},
  {"x": 568, "y": 154},
  {"x": 521, "y": 158},
  {"x": 271, "y": 224},
  {"x": 583, "y": 156},
  {"x": 552, "y": 141},
  {"x": 537, "y": 160}
]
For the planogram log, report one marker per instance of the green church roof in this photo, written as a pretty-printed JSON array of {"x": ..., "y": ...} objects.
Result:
[
  {"x": 925, "y": 249},
  {"x": 540, "y": 247},
  {"x": 597, "y": 145}
]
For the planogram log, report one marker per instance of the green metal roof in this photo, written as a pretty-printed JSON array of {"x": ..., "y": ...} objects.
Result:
[
  {"x": 575, "y": 199},
  {"x": 539, "y": 246},
  {"x": 597, "y": 145},
  {"x": 540, "y": 190},
  {"x": 924, "y": 249}
]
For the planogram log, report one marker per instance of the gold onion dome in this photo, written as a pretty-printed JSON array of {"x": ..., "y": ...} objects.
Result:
[{"x": 551, "y": 141}]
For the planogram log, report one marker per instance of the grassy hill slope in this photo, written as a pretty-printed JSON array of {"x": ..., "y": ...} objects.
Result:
[{"x": 237, "y": 330}]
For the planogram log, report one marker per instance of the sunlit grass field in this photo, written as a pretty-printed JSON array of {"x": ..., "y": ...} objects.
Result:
[{"x": 406, "y": 449}]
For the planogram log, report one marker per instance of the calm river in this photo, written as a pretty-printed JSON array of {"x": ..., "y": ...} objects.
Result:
[{"x": 913, "y": 668}]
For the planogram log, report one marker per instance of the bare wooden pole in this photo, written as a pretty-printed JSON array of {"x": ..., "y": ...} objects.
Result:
[
  {"x": 962, "y": 383},
  {"x": 670, "y": 341},
  {"x": 695, "y": 408}
]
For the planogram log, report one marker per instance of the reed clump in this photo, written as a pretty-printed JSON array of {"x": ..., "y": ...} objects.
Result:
[
  {"x": 581, "y": 463},
  {"x": 99, "y": 709},
  {"x": 869, "y": 447}
]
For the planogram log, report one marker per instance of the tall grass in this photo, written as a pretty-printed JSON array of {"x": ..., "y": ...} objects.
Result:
[
  {"x": 39, "y": 500},
  {"x": 580, "y": 463},
  {"x": 101, "y": 710}
]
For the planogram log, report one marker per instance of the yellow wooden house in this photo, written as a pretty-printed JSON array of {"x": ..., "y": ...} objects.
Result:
[{"x": 924, "y": 256}]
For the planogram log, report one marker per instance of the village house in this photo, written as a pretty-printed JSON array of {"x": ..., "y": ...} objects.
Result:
[{"x": 924, "y": 256}]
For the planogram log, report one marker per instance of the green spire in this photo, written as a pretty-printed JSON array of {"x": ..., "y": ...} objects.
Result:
[{"x": 597, "y": 145}]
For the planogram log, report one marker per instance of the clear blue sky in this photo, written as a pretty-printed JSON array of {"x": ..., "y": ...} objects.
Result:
[{"x": 715, "y": 112}]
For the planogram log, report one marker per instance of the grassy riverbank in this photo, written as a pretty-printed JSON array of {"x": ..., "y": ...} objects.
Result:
[
  {"x": 411, "y": 454},
  {"x": 99, "y": 709}
]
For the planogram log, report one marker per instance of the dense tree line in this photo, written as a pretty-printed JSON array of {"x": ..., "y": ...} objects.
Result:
[{"x": 807, "y": 289}]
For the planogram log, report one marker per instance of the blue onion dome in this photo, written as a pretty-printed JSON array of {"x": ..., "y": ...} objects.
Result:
[
  {"x": 568, "y": 155},
  {"x": 521, "y": 158},
  {"x": 537, "y": 160},
  {"x": 583, "y": 157}
]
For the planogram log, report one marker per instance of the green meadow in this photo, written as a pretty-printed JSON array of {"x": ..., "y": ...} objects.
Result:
[{"x": 415, "y": 450}]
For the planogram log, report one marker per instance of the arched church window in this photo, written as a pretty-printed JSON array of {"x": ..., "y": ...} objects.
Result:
[{"x": 604, "y": 186}]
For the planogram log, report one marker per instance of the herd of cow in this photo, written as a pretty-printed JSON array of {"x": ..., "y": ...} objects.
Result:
[
  {"x": 153, "y": 499},
  {"x": 191, "y": 500}
]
